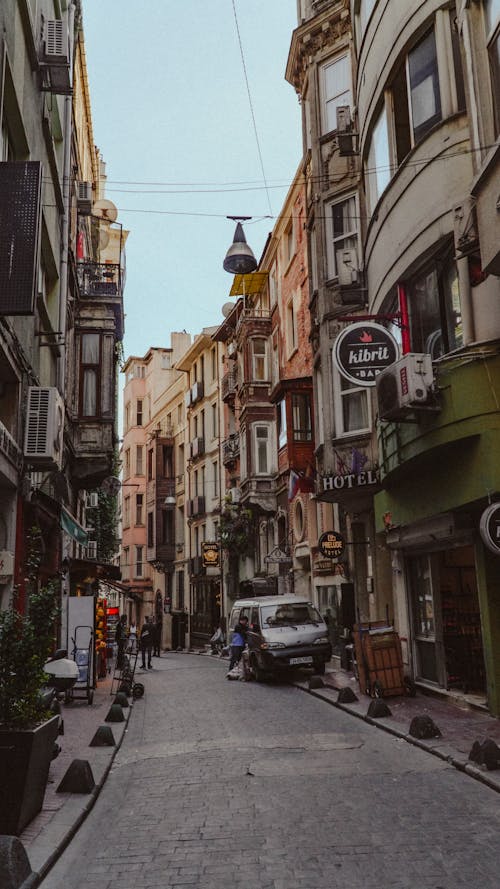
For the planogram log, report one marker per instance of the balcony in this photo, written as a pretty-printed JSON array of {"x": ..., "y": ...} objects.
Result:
[
  {"x": 231, "y": 449},
  {"x": 260, "y": 492},
  {"x": 229, "y": 385},
  {"x": 98, "y": 280},
  {"x": 165, "y": 552},
  {"x": 196, "y": 392},
  {"x": 9, "y": 447}
]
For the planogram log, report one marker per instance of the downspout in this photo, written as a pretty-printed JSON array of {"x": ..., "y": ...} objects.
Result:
[{"x": 66, "y": 220}]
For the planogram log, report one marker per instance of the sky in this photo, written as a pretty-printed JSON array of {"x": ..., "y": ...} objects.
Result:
[{"x": 174, "y": 122}]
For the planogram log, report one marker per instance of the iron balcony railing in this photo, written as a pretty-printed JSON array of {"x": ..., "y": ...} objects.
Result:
[
  {"x": 231, "y": 448},
  {"x": 99, "y": 280},
  {"x": 9, "y": 446}
]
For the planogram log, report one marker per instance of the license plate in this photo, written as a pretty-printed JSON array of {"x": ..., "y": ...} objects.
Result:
[{"x": 301, "y": 660}]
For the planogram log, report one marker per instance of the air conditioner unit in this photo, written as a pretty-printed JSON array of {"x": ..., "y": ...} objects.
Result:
[
  {"x": 91, "y": 550},
  {"x": 91, "y": 500},
  {"x": 44, "y": 433},
  {"x": 465, "y": 227},
  {"x": 84, "y": 198},
  {"x": 348, "y": 270},
  {"x": 235, "y": 495},
  {"x": 404, "y": 386},
  {"x": 54, "y": 59},
  {"x": 346, "y": 137}
]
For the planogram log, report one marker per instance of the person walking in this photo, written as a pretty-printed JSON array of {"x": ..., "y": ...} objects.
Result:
[
  {"x": 121, "y": 641},
  {"x": 147, "y": 643},
  {"x": 238, "y": 641},
  {"x": 132, "y": 637},
  {"x": 158, "y": 625}
]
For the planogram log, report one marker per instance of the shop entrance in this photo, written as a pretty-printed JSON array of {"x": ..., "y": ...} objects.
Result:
[{"x": 447, "y": 637}]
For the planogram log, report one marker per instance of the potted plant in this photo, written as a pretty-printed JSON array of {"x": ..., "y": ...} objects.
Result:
[{"x": 27, "y": 730}]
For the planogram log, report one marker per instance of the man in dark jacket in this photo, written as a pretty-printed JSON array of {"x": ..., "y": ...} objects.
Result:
[
  {"x": 238, "y": 641},
  {"x": 157, "y": 628},
  {"x": 147, "y": 642}
]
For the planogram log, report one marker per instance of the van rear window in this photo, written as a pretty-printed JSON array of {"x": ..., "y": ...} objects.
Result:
[{"x": 289, "y": 615}]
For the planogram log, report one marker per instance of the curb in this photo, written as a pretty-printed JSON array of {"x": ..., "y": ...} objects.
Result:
[
  {"x": 455, "y": 759},
  {"x": 82, "y": 807}
]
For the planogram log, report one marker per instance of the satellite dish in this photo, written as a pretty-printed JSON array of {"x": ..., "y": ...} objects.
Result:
[
  {"x": 111, "y": 485},
  {"x": 227, "y": 308},
  {"x": 103, "y": 238},
  {"x": 106, "y": 210}
]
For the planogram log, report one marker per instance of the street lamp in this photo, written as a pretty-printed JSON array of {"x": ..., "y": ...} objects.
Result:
[{"x": 239, "y": 258}]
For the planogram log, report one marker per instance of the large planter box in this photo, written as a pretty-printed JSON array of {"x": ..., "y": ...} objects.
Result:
[{"x": 25, "y": 757}]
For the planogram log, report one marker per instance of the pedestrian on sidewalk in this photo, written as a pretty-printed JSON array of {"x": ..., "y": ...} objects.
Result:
[
  {"x": 121, "y": 640},
  {"x": 238, "y": 641},
  {"x": 147, "y": 642},
  {"x": 157, "y": 628},
  {"x": 132, "y": 637}
]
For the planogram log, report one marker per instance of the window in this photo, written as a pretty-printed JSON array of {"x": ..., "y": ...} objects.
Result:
[
  {"x": 127, "y": 416},
  {"x": 90, "y": 374},
  {"x": 434, "y": 309},
  {"x": 291, "y": 327},
  {"x": 179, "y": 414},
  {"x": 167, "y": 526},
  {"x": 342, "y": 228},
  {"x": 365, "y": 11},
  {"x": 126, "y": 563},
  {"x": 298, "y": 520},
  {"x": 282, "y": 423},
  {"x": 377, "y": 169},
  {"x": 262, "y": 453},
  {"x": 140, "y": 371},
  {"x": 301, "y": 413},
  {"x": 139, "y": 412},
  {"x": 139, "y": 460},
  {"x": 259, "y": 360},
  {"x": 151, "y": 530},
  {"x": 493, "y": 42},
  {"x": 215, "y": 474},
  {"x": 335, "y": 90},
  {"x": 215, "y": 421},
  {"x": 320, "y": 419},
  {"x": 273, "y": 287},
  {"x": 167, "y": 461},
  {"x": 126, "y": 468},
  {"x": 352, "y": 407},
  {"x": 150, "y": 465},
  {"x": 138, "y": 561},
  {"x": 196, "y": 483},
  {"x": 214, "y": 363},
  {"x": 126, "y": 511},
  {"x": 202, "y": 479},
  {"x": 139, "y": 505},
  {"x": 289, "y": 244},
  {"x": 423, "y": 78}
]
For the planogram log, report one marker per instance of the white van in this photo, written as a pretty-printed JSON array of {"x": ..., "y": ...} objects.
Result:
[{"x": 283, "y": 632}]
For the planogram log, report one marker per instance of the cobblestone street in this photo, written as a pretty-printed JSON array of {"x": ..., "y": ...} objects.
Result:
[{"x": 230, "y": 784}]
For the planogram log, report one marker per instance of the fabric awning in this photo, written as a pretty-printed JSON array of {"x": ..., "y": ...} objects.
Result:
[{"x": 70, "y": 525}]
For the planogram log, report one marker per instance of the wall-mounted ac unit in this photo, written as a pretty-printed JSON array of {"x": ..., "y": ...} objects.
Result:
[
  {"x": 91, "y": 550},
  {"x": 44, "y": 433},
  {"x": 346, "y": 137},
  {"x": 348, "y": 270},
  {"x": 465, "y": 227},
  {"x": 404, "y": 386},
  {"x": 84, "y": 198},
  {"x": 54, "y": 58},
  {"x": 91, "y": 500},
  {"x": 235, "y": 495}
]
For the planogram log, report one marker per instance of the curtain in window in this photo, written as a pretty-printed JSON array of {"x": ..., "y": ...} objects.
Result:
[
  {"x": 90, "y": 348},
  {"x": 89, "y": 406}
]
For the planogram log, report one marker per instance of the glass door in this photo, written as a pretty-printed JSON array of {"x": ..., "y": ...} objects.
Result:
[{"x": 426, "y": 623}]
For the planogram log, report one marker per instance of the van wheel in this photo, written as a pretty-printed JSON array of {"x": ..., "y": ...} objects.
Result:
[
  {"x": 257, "y": 670},
  {"x": 319, "y": 669}
]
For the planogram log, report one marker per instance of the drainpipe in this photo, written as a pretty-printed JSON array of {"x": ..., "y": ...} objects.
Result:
[
  {"x": 469, "y": 333},
  {"x": 66, "y": 220}
]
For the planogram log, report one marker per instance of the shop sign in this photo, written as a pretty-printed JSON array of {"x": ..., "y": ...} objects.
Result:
[
  {"x": 350, "y": 480},
  {"x": 210, "y": 554},
  {"x": 489, "y": 528},
  {"x": 331, "y": 544},
  {"x": 362, "y": 350}
]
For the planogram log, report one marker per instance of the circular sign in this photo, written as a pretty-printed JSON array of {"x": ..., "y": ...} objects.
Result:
[
  {"x": 489, "y": 528},
  {"x": 362, "y": 350},
  {"x": 331, "y": 544}
]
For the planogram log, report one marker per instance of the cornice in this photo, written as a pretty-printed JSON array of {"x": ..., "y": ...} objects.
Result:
[{"x": 324, "y": 30}]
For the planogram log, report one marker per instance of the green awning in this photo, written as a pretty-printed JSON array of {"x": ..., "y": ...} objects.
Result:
[{"x": 70, "y": 525}]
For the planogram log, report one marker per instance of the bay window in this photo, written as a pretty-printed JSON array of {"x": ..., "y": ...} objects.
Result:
[{"x": 301, "y": 414}]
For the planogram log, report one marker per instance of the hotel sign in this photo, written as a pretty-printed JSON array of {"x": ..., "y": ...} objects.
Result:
[
  {"x": 489, "y": 528},
  {"x": 350, "y": 480},
  {"x": 210, "y": 555},
  {"x": 362, "y": 350},
  {"x": 331, "y": 544}
]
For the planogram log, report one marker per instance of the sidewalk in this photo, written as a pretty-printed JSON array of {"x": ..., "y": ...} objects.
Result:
[
  {"x": 460, "y": 724},
  {"x": 48, "y": 834}
]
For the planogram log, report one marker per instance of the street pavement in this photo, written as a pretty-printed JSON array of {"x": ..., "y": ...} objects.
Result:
[{"x": 231, "y": 784}]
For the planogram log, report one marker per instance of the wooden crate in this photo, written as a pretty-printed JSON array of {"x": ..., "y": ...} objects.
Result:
[{"x": 379, "y": 658}]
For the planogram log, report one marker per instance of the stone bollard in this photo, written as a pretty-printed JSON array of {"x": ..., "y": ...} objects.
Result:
[
  {"x": 486, "y": 754},
  {"x": 378, "y": 709},
  {"x": 103, "y": 737},
  {"x": 78, "y": 778},
  {"x": 115, "y": 714},
  {"x": 347, "y": 696},
  {"x": 15, "y": 869},
  {"x": 423, "y": 727}
]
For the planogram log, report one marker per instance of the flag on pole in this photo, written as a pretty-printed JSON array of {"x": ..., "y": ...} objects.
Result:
[
  {"x": 358, "y": 461},
  {"x": 293, "y": 484}
]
